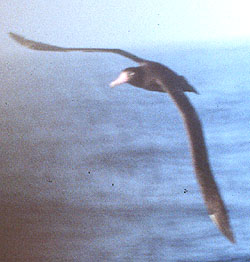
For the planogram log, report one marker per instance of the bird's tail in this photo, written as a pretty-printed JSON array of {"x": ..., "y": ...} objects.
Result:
[{"x": 186, "y": 86}]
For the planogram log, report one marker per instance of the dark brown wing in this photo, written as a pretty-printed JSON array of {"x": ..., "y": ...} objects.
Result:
[
  {"x": 210, "y": 191},
  {"x": 45, "y": 47}
]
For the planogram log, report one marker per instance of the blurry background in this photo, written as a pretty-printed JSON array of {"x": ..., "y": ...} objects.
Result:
[{"x": 89, "y": 173}]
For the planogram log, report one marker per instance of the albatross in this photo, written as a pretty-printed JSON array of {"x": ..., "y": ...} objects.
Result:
[{"x": 154, "y": 76}]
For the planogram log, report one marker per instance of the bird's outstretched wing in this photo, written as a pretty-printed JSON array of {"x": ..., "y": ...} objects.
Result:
[
  {"x": 210, "y": 191},
  {"x": 46, "y": 47}
]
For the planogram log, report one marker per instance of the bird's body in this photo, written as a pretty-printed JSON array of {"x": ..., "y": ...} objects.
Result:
[
  {"x": 153, "y": 76},
  {"x": 148, "y": 73}
]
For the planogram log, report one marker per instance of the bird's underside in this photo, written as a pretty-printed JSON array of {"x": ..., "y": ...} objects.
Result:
[{"x": 210, "y": 192}]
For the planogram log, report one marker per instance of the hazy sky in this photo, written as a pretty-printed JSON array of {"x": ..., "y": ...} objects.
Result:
[{"x": 124, "y": 23}]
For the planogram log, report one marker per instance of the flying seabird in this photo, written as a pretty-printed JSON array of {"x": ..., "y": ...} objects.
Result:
[{"x": 157, "y": 77}]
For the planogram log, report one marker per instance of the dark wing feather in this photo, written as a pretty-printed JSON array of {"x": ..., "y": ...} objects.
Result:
[
  {"x": 45, "y": 47},
  {"x": 210, "y": 191}
]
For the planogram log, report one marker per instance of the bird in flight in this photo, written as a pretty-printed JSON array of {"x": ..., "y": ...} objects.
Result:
[{"x": 157, "y": 77}]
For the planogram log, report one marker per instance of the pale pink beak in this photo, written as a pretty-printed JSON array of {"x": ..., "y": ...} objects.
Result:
[{"x": 122, "y": 78}]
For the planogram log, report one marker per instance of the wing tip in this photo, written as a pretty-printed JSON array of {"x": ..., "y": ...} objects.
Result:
[
  {"x": 221, "y": 221},
  {"x": 15, "y": 36},
  {"x": 19, "y": 39}
]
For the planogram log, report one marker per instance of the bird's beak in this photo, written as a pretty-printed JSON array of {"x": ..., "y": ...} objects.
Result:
[{"x": 122, "y": 78}]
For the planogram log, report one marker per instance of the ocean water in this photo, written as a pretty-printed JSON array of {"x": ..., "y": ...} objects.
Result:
[{"x": 90, "y": 173}]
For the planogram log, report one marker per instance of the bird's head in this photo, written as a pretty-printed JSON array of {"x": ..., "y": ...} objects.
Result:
[{"x": 131, "y": 75}]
